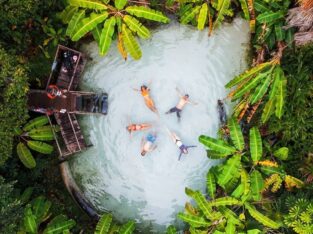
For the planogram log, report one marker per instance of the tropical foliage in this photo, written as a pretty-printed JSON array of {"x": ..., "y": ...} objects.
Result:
[
  {"x": 32, "y": 136},
  {"x": 300, "y": 215},
  {"x": 246, "y": 173},
  {"x": 13, "y": 87},
  {"x": 106, "y": 225},
  {"x": 270, "y": 23},
  {"x": 106, "y": 22},
  {"x": 37, "y": 212},
  {"x": 264, "y": 83}
]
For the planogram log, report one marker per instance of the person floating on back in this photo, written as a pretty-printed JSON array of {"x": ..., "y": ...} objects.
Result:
[
  {"x": 148, "y": 143},
  {"x": 184, "y": 99},
  {"x": 148, "y": 100},
  {"x": 138, "y": 127},
  {"x": 182, "y": 147}
]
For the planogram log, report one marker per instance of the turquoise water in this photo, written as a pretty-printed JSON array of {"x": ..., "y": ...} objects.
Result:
[{"x": 112, "y": 174}]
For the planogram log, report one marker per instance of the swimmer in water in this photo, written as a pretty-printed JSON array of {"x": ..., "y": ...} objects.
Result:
[
  {"x": 182, "y": 147},
  {"x": 147, "y": 144},
  {"x": 148, "y": 100},
  {"x": 138, "y": 127},
  {"x": 184, "y": 99}
]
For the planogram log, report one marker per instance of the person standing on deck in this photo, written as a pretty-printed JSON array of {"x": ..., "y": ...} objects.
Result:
[
  {"x": 148, "y": 143},
  {"x": 184, "y": 99}
]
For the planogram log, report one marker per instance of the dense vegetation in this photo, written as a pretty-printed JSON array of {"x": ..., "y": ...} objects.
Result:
[{"x": 264, "y": 183}]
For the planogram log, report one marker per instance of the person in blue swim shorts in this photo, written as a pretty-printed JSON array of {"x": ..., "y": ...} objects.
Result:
[{"x": 148, "y": 143}]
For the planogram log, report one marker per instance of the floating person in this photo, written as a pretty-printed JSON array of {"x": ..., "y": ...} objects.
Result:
[
  {"x": 148, "y": 100},
  {"x": 138, "y": 127},
  {"x": 221, "y": 112},
  {"x": 148, "y": 144},
  {"x": 182, "y": 147},
  {"x": 184, "y": 99}
]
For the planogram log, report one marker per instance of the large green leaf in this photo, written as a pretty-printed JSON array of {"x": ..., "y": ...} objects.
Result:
[
  {"x": 67, "y": 14},
  {"x": 261, "y": 89},
  {"x": 281, "y": 153},
  {"x": 41, "y": 129},
  {"x": 244, "y": 7},
  {"x": 279, "y": 32},
  {"x": 237, "y": 193},
  {"x": 40, "y": 147},
  {"x": 128, "y": 228},
  {"x": 36, "y": 122},
  {"x": 211, "y": 184},
  {"x": 130, "y": 43},
  {"x": 223, "y": 8},
  {"x": 203, "y": 15},
  {"x": 136, "y": 27},
  {"x": 268, "y": 17},
  {"x": 261, "y": 218},
  {"x": 41, "y": 135},
  {"x": 74, "y": 22},
  {"x": 189, "y": 15},
  {"x": 120, "y": 4},
  {"x": 194, "y": 221},
  {"x": 26, "y": 195},
  {"x": 236, "y": 134},
  {"x": 230, "y": 169},
  {"x": 216, "y": 155},
  {"x": 106, "y": 35},
  {"x": 88, "y": 24},
  {"x": 260, "y": 6},
  {"x": 280, "y": 96},
  {"x": 29, "y": 220},
  {"x": 217, "y": 145},
  {"x": 277, "y": 74},
  {"x": 89, "y": 4},
  {"x": 257, "y": 185},
  {"x": 253, "y": 71},
  {"x": 59, "y": 227},
  {"x": 249, "y": 85},
  {"x": 25, "y": 156},
  {"x": 245, "y": 181},
  {"x": 96, "y": 33},
  {"x": 224, "y": 201},
  {"x": 147, "y": 13},
  {"x": 41, "y": 207},
  {"x": 171, "y": 230},
  {"x": 256, "y": 149},
  {"x": 104, "y": 224},
  {"x": 202, "y": 203},
  {"x": 268, "y": 110}
]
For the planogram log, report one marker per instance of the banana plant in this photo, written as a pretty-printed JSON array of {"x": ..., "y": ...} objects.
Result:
[
  {"x": 204, "y": 12},
  {"x": 266, "y": 83},
  {"x": 240, "y": 158},
  {"x": 270, "y": 22},
  {"x": 32, "y": 136},
  {"x": 106, "y": 226},
  {"x": 242, "y": 178},
  {"x": 107, "y": 20},
  {"x": 37, "y": 219}
]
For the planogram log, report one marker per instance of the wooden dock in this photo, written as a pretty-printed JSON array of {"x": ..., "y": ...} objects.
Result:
[{"x": 67, "y": 67}]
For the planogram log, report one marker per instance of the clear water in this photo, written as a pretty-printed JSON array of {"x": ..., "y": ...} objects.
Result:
[{"x": 112, "y": 174}]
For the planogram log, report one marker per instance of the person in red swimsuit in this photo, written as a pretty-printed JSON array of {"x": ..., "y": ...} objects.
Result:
[{"x": 138, "y": 127}]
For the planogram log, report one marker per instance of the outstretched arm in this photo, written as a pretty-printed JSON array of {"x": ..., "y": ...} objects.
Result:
[
  {"x": 153, "y": 148},
  {"x": 136, "y": 90},
  {"x": 179, "y": 93},
  {"x": 191, "y": 146},
  {"x": 193, "y": 103},
  {"x": 142, "y": 144}
]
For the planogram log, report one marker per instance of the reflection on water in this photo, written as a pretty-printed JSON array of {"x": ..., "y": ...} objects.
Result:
[{"x": 150, "y": 189}]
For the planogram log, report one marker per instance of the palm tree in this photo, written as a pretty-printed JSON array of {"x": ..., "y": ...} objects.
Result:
[{"x": 302, "y": 18}]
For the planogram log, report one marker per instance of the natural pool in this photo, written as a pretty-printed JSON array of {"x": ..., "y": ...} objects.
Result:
[{"x": 112, "y": 174}]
